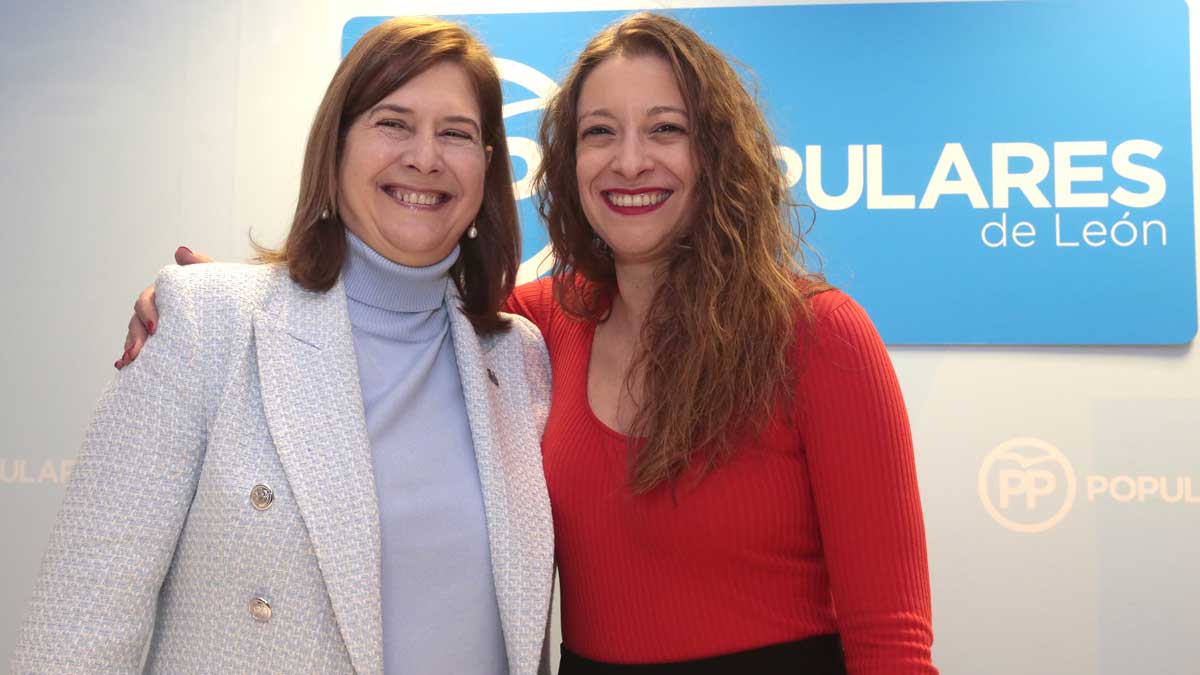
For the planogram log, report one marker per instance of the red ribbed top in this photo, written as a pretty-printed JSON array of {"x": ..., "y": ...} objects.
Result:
[{"x": 808, "y": 516}]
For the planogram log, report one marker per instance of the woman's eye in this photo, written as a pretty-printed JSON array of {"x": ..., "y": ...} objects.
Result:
[
  {"x": 596, "y": 131},
  {"x": 670, "y": 129},
  {"x": 392, "y": 124},
  {"x": 458, "y": 135}
]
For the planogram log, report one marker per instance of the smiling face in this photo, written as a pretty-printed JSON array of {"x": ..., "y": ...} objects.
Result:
[
  {"x": 633, "y": 158},
  {"x": 412, "y": 169}
]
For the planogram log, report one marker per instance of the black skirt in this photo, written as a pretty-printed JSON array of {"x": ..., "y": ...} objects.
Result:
[{"x": 820, "y": 655}]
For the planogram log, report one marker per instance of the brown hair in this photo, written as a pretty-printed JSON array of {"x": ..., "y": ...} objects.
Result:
[
  {"x": 718, "y": 338},
  {"x": 383, "y": 60}
]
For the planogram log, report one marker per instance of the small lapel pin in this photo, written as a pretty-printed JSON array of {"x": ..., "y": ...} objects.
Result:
[{"x": 492, "y": 376}]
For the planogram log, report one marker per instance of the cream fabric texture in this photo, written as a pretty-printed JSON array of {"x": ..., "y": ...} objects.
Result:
[{"x": 158, "y": 551}]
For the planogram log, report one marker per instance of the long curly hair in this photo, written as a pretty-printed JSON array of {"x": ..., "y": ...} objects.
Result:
[{"x": 717, "y": 344}]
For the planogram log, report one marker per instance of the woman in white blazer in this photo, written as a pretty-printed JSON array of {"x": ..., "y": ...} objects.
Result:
[{"x": 231, "y": 510}]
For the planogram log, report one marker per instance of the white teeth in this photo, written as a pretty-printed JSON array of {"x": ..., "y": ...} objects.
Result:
[
  {"x": 418, "y": 198},
  {"x": 638, "y": 200}
]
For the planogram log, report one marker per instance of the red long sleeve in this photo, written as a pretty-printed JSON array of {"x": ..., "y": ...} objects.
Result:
[
  {"x": 806, "y": 518},
  {"x": 864, "y": 484}
]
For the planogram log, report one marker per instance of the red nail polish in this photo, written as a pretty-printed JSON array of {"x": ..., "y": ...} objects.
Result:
[
  {"x": 184, "y": 248},
  {"x": 117, "y": 364},
  {"x": 150, "y": 327}
]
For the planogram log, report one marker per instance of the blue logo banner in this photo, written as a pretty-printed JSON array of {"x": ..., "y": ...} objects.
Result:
[{"x": 981, "y": 173}]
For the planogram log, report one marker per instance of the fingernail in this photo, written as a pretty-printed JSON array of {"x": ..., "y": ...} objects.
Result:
[
  {"x": 150, "y": 327},
  {"x": 184, "y": 248},
  {"x": 117, "y": 364}
]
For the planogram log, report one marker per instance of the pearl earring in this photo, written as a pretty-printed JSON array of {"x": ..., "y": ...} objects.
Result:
[{"x": 472, "y": 232}]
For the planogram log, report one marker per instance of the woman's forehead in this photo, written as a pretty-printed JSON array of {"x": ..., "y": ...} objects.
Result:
[
  {"x": 644, "y": 81},
  {"x": 442, "y": 89}
]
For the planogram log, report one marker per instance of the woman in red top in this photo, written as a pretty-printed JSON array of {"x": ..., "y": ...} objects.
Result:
[{"x": 728, "y": 455}]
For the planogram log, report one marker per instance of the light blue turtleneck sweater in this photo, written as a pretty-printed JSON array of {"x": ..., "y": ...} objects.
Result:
[{"x": 439, "y": 601}]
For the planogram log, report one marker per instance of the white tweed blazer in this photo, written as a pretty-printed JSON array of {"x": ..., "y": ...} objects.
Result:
[{"x": 160, "y": 553}]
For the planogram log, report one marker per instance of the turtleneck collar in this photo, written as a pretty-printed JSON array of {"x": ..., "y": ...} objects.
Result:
[{"x": 373, "y": 280}]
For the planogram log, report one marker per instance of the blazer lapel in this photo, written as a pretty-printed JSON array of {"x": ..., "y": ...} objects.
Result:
[
  {"x": 515, "y": 572},
  {"x": 314, "y": 410}
]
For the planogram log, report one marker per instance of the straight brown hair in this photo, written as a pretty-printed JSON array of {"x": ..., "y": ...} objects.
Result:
[{"x": 383, "y": 60}]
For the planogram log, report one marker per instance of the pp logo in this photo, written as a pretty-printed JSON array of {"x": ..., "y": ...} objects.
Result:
[
  {"x": 542, "y": 87},
  {"x": 1027, "y": 485}
]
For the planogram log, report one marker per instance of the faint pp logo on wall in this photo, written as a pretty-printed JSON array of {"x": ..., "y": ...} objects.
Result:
[{"x": 1027, "y": 484}]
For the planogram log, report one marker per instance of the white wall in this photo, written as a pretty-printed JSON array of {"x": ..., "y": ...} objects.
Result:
[{"x": 128, "y": 128}]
